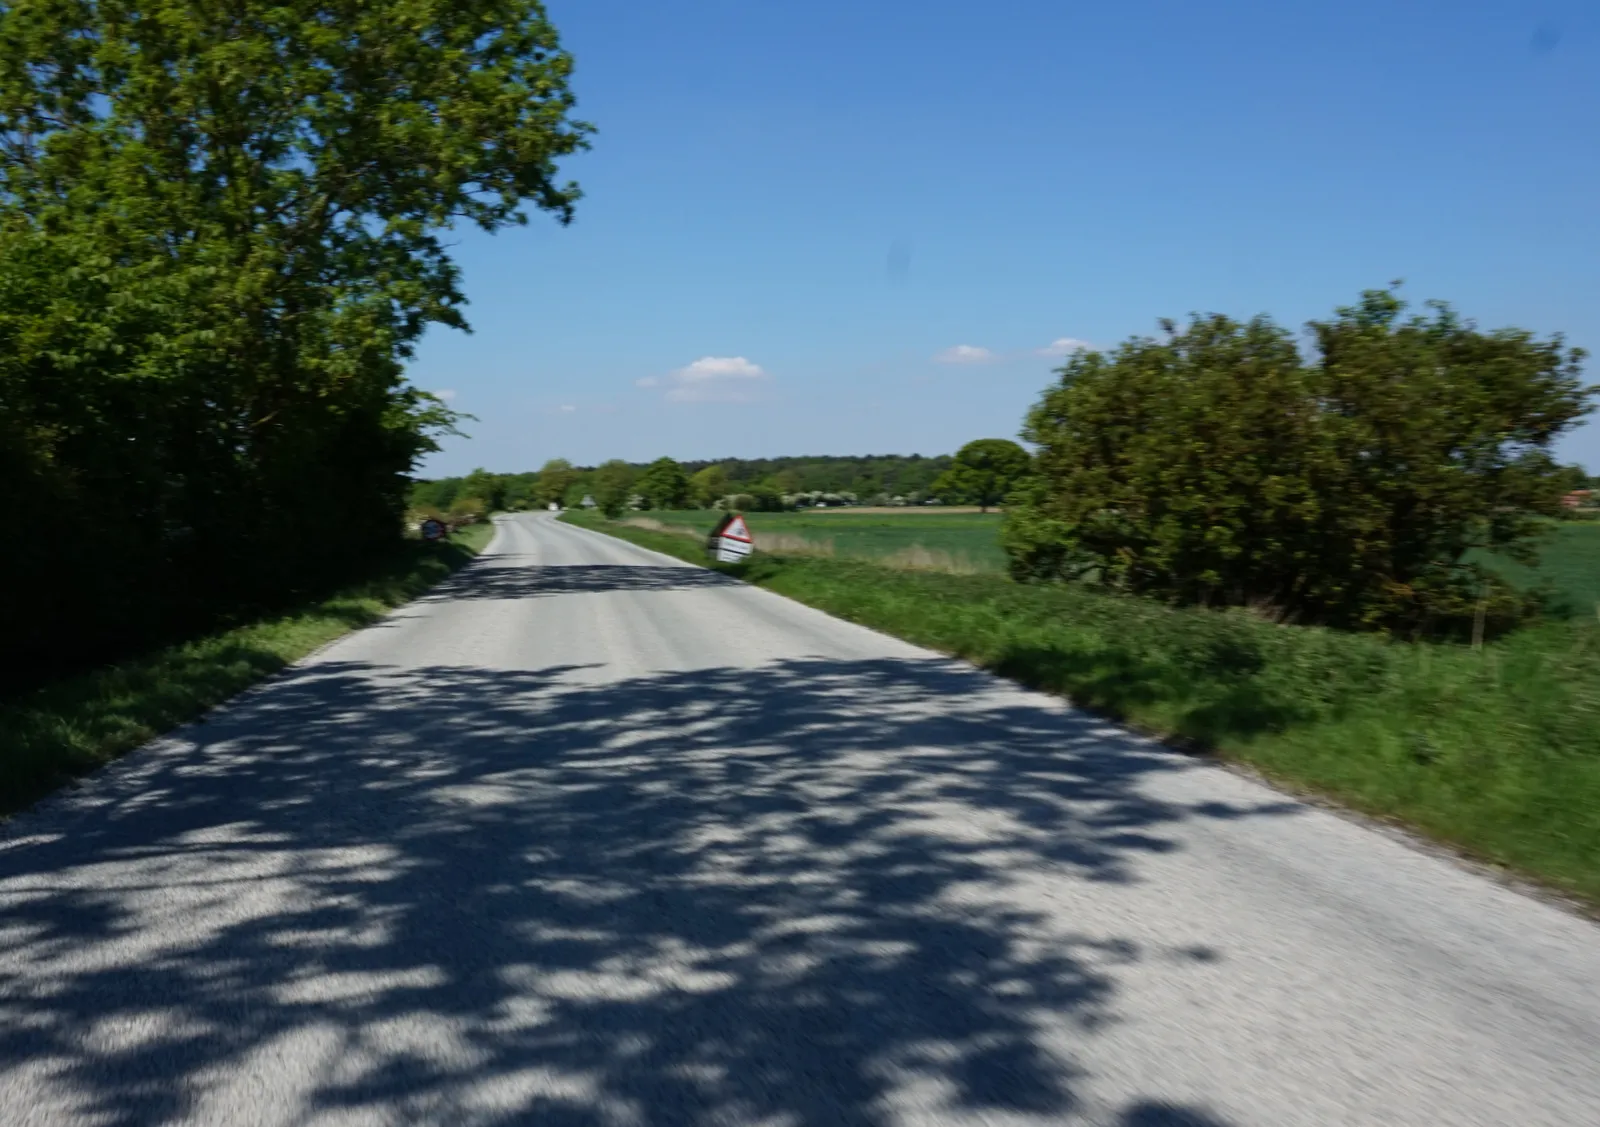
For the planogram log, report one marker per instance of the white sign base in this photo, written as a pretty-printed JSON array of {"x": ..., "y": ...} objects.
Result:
[{"x": 731, "y": 551}]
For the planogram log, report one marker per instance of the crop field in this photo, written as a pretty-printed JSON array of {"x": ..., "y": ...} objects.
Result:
[
  {"x": 968, "y": 541},
  {"x": 1569, "y": 564},
  {"x": 961, "y": 541}
]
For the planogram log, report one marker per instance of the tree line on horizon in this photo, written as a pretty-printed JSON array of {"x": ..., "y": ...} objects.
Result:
[{"x": 756, "y": 484}]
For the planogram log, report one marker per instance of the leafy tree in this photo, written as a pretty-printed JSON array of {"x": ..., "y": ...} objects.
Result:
[
  {"x": 555, "y": 478},
  {"x": 582, "y": 486},
  {"x": 613, "y": 484},
  {"x": 467, "y": 509},
  {"x": 983, "y": 473},
  {"x": 437, "y": 495},
  {"x": 1216, "y": 466},
  {"x": 520, "y": 490},
  {"x": 220, "y": 236},
  {"x": 488, "y": 488},
  {"x": 708, "y": 486},
  {"x": 664, "y": 485}
]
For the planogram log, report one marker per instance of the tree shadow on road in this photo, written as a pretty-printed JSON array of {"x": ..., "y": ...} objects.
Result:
[
  {"x": 490, "y": 579},
  {"x": 784, "y": 895}
]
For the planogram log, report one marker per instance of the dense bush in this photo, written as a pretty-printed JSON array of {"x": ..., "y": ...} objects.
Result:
[{"x": 1217, "y": 467}]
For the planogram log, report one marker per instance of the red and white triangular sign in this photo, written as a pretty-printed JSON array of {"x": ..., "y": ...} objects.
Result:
[{"x": 736, "y": 529}]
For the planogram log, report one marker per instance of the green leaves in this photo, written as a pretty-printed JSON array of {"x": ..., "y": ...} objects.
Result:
[
  {"x": 612, "y": 483},
  {"x": 554, "y": 481},
  {"x": 222, "y": 232},
  {"x": 664, "y": 485},
  {"x": 983, "y": 473},
  {"x": 1217, "y": 466},
  {"x": 708, "y": 486}
]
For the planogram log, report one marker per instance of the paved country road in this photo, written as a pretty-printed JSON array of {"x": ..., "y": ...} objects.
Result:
[{"x": 587, "y": 837}]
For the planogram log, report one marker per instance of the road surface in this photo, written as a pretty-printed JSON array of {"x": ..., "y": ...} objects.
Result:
[{"x": 588, "y": 837}]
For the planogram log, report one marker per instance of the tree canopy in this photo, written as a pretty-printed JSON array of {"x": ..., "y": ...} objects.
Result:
[
  {"x": 664, "y": 485},
  {"x": 555, "y": 479},
  {"x": 613, "y": 485},
  {"x": 221, "y": 233},
  {"x": 708, "y": 486},
  {"x": 983, "y": 473},
  {"x": 1217, "y": 466}
]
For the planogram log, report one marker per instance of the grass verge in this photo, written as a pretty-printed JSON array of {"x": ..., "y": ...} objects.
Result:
[
  {"x": 1495, "y": 751},
  {"x": 67, "y": 729}
]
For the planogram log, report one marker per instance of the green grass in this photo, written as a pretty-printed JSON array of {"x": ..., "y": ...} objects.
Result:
[
  {"x": 64, "y": 730},
  {"x": 965, "y": 538},
  {"x": 1569, "y": 564},
  {"x": 1496, "y": 751}
]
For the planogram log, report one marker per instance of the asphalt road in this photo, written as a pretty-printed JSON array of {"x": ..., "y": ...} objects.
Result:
[{"x": 588, "y": 837}]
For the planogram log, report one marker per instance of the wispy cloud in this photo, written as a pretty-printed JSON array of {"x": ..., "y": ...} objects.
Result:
[
  {"x": 712, "y": 379},
  {"x": 567, "y": 408},
  {"x": 1063, "y": 346},
  {"x": 965, "y": 354},
  {"x": 445, "y": 393}
]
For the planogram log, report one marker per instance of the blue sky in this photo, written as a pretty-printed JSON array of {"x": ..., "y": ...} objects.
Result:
[{"x": 860, "y": 226}]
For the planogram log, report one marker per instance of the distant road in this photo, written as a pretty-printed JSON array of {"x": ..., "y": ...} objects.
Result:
[{"x": 589, "y": 838}]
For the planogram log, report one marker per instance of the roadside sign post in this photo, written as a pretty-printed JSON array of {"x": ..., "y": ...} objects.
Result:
[
  {"x": 732, "y": 541},
  {"x": 432, "y": 529}
]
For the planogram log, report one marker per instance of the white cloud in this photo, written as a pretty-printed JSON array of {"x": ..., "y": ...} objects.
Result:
[
  {"x": 1063, "y": 346},
  {"x": 965, "y": 354},
  {"x": 712, "y": 379},
  {"x": 567, "y": 408},
  {"x": 445, "y": 393}
]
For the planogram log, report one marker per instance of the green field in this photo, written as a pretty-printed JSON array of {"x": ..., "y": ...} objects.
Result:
[
  {"x": 1569, "y": 565},
  {"x": 968, "y": 540}
]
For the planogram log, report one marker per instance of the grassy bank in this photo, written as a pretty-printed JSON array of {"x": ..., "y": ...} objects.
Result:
[
  {"x": 1495, "y": 751},
  {"x": 67, "y": 729}
]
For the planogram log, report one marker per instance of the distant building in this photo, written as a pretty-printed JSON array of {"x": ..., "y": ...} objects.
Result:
[{"x": 1578, "y": 499}]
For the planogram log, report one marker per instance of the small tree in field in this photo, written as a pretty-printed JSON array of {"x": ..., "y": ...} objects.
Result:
[
  {"x": 707, "y": 486},
  {"x": 613, "y": 484},
  {"x": 555, "y": 478},
  {"x": 984, "y": 472},
  {"x": 664, "y": 485},
  {"x": 1216, "y": 467}
]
